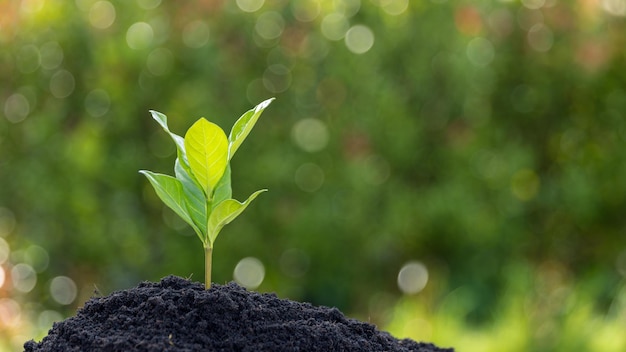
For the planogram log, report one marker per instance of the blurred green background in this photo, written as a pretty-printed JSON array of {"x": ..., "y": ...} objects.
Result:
[{"x": 453, "y": 171}]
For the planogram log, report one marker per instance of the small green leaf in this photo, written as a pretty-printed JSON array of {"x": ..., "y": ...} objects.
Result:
[
  {"x": 244, "y": 125},
  {"x": 206, "y": 146},
  {"x": 161, "y": 119},
  {"x": 194, "y": 197},
  {"x": 225, "y": 212},
  {"x": 170, "y": 190},
  {"x": 223, "y": 189}
]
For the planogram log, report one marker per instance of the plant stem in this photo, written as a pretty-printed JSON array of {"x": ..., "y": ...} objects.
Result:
[{"x": 208, "y": 258}]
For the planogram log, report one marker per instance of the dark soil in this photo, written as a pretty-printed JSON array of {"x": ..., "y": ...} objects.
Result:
[{"x": 179, "y": 315}]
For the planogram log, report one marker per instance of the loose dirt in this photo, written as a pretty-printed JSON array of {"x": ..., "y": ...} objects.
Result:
[{"x": 176, "y": 314}]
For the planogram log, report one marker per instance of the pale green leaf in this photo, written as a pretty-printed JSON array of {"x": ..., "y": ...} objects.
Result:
[
  {"x": 170, "y": 190},
  {"x": 244, "y": 125},
  {"x": 225, "y": 212},
  {"x": 194, "y": 197},
  {"x": 206, "y": 147},
  {"x": 223, "y": 189}
]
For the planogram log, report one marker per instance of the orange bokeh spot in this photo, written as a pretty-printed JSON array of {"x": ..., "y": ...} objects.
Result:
[
  {"x": 9, "y": 18},
  {"x": 592, "y": 55},
  {"x": 468, "y": 21}
]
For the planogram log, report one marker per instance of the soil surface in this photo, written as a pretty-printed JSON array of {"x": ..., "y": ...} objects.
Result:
[{"x": 176, "y": 314}]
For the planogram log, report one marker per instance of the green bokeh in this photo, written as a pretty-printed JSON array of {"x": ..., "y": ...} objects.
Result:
[{"x": 473, "y": 137}]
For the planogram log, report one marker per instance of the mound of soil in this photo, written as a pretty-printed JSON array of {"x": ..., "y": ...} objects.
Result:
[{"x": 176, "y": 314}]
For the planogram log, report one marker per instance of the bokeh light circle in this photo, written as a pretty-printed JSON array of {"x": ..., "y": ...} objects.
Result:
[
  {"x": 102, "y": 14},
  {"x": 160, "y": 61},
  {"x": 480, "y": 52},
  {"x": 62, "y": 84},
  {"x": 10, "y": 312},
  {"x": 526, "y": 18},
  {"x": 63, "y": 290},
  {"x": 270, "y": 25},
  {"x": 348, "y": 7},
  {"x": 540, "y": 37},
  {"x": 37, "y": 257},
  {"x": 277, "y": 78},
  {"x": 412, "y": 278},
  {"x": 23, "y": 277},
  {"x": 97, "y": 102},
  {"x": 359, "y": 39},
  {"x": 139, "y": 35},
  {"x": 334, "y": 26},
  {"x": 256, "y": 91},
  {"x": 309, "y": 177},
  {"x": 48, "y": 317},
  {"x": 16, "y": 108},
  {"x": 533, "y": 4},
  {"x": 250, "y": 5},
  {"x": 615, "y": 7},
  {"x": 5, "y": 250},
  {"x": 310, "y": 134},
  {"x": 306, "y": 10},
  {"x": 395, "y": 7},
  {"x": 249, "y": 272},
  {"x": 51, "y": 55}
]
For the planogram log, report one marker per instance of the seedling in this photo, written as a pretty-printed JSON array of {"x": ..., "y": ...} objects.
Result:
[{"x": 201, "y": 191}]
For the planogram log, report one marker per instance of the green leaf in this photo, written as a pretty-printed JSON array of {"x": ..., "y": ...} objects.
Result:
[
  {"x": 206, "y": 146},
  {"x": 194, "y": 197},
  {"x": 225, "y": 212},
  {"x": 161, "y": 119},
  {"x": 223, "y": 189},
  {"x": 243, "y": 126},
  {"x": 171, "y": 192}
]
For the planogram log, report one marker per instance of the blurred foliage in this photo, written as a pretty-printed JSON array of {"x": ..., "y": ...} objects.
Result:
[
  {"x": 539, "y": 311},
  {"x": 472, "y": 137}
]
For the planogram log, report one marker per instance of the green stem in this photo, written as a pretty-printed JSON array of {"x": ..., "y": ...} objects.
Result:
[{"x": 208, "y": 258}]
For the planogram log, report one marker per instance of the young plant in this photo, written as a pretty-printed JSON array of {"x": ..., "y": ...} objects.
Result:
[{"x": 201, "y": 191}]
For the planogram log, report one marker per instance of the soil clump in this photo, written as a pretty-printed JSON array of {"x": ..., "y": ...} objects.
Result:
[{"x": 176, "y": 314}]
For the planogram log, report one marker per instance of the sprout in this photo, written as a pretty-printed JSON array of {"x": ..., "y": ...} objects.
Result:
[{"x": 200, "y": 193}]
